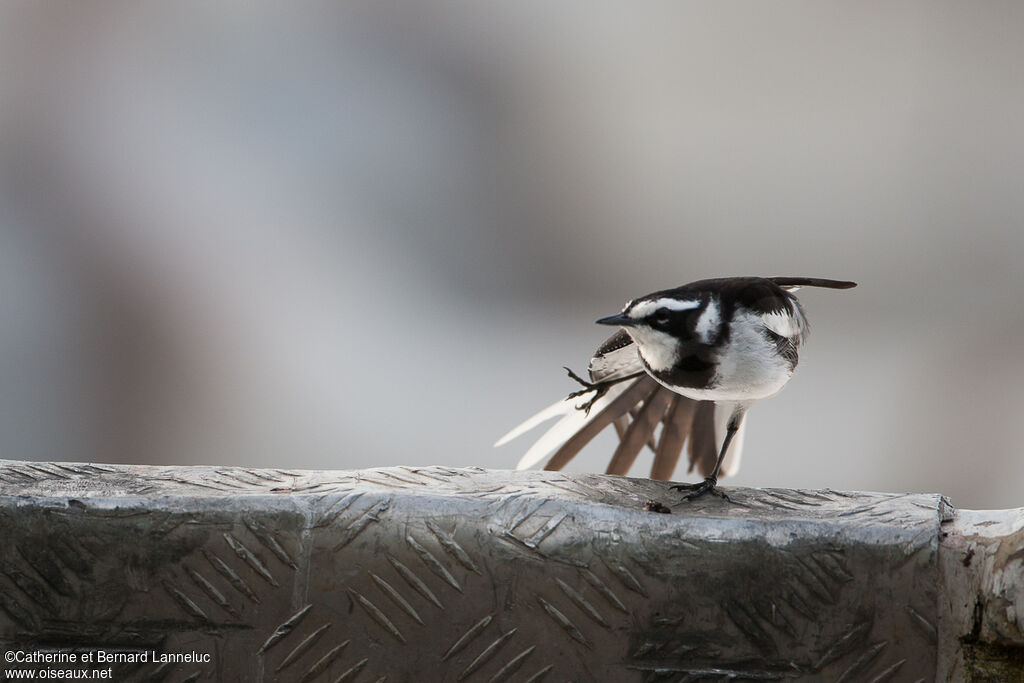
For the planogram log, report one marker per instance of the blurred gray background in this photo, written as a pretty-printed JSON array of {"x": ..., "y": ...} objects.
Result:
[{"x": 340, "y": 235}]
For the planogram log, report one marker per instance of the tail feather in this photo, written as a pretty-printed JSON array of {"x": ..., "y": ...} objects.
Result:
[{"x": 794, "y": 283}]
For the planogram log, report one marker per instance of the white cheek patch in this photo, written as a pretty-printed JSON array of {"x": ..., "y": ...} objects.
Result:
[
  {"x": 645, "y": 308},
  {"x": 708, "y": 322},
  {"x": 784, "y": 324},
  {"x": 659, "y": 349}
]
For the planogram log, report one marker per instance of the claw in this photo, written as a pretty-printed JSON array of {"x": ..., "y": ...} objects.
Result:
[
  {"x": 709, "y": 485},
  {"x": 598, "y": 389}
]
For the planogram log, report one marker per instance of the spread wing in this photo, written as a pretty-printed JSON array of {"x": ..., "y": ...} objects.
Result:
[{"x": 643, "y": 413}]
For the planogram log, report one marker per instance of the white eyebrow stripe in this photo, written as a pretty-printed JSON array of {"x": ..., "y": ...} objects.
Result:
[
  {"x": 707, "y": 323},
  {"x": 645, "y": 308}
]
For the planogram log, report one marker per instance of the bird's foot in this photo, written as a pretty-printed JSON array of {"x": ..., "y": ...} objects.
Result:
[
  {"x": 709, "y": 485},
  {"x": 598, "y": 389}
]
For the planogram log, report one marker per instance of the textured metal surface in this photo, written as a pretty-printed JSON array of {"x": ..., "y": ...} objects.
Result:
[
  {"x": 981, "y": 610},
  {"x": 435, "y": 574}
]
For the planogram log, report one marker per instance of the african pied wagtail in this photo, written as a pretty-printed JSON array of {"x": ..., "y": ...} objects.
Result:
[{"x": 691, "y": 359}]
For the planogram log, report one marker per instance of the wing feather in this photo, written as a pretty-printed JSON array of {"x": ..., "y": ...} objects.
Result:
[
  {"x": 574, "y": 421},
  {"x": 615, "y": 359},
  {"x": 621, "y": 423},
  {"x": 633, "y": 392},
  {"x": 640, "y": 431},
  {"x": 674, "y": 432},
  {"x": 636, "y": 405},
  {"x": 563, "y": 407},
  {"x": 709, "y": 427},
  {"x": 703, "y": 451}
]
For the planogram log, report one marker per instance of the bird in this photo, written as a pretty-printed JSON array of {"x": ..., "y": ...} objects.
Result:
[{"x": 690, "y": 360}]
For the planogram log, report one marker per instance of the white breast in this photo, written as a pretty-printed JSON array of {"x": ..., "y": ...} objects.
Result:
[{"x": 749, "y": 366}]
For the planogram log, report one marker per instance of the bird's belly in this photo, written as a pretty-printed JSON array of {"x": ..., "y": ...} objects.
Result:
[
  {"x": 747, "y": 368},
  {"x": 750, "y": 367},
  {"x": 736, "y": 386}
]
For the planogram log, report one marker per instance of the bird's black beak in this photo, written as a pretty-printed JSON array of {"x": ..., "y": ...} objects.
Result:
[{"x": 618, "y": 319}]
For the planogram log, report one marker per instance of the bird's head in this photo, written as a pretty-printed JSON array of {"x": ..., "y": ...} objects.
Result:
[{"x": 662, "y": 323}]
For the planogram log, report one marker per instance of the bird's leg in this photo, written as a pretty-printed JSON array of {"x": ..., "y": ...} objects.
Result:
[
  {"x": 709, "y": 485},
  {"x": 599, "y": 389}
]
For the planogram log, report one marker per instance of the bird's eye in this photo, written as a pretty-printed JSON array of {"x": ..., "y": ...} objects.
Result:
[{"x": 660, "y": 317}]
